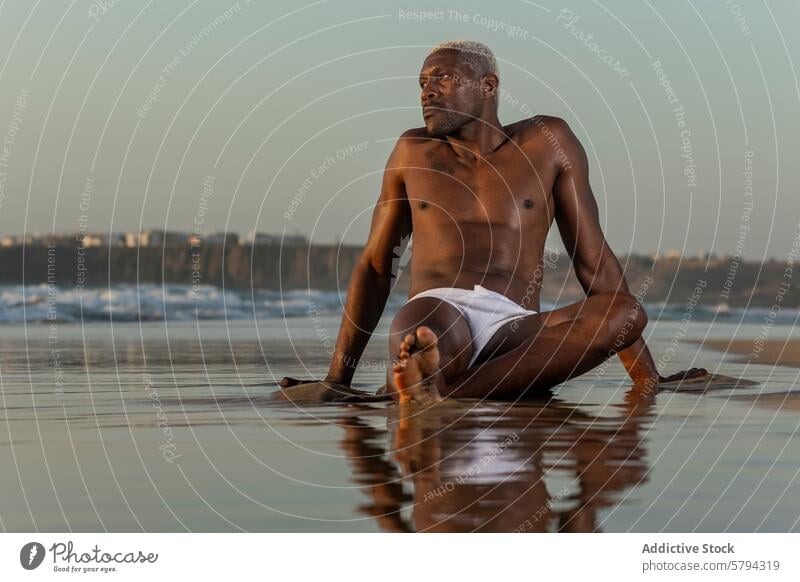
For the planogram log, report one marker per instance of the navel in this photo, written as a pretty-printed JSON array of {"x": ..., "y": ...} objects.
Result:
[
  {"x": 423, "y": 205},
  {"x": 528, "y": 203}
]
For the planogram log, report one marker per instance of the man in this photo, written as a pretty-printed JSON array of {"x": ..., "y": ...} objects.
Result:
[{"x": 480, "y": 199}]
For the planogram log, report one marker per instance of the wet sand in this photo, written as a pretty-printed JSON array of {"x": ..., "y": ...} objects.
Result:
[
  {"x": 171, "y": 427},
  {"x": 780, "y": 352},
  {"x": 777, "y": 352}
]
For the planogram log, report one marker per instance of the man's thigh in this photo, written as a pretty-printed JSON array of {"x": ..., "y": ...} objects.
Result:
[{"x": 514, "y": 333}]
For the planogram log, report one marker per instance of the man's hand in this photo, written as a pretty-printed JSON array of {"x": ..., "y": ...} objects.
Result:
[
  {"x": 314, "y": 391},
  {"x": 287, "y": 382},
  {"x": 685, "y": 375},
  {"x": 694, "y": 375}
]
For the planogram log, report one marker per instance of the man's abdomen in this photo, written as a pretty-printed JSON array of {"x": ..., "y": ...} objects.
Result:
[{"x": 495, "y": 257}]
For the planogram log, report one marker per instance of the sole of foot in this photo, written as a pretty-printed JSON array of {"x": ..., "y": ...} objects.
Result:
[{"x": 416, "y": 372}]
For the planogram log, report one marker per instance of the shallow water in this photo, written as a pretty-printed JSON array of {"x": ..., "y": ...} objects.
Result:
[{"x": 146, "y": 427}]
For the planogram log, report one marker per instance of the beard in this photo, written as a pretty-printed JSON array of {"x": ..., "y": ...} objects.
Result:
[{"x": 446, "y": 121}]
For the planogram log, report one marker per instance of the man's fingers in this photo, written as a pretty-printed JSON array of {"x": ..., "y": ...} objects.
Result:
[
  {"x": 363, "y": 398},
  {"x": 687, "y": 374},
  {"x": 287, "y": 382}
]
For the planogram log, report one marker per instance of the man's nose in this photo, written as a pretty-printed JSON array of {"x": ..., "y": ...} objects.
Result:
[{"x": 429, "y": 92}]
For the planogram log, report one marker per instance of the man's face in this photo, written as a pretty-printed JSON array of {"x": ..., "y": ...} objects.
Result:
[{"x": 451, "y": 93}]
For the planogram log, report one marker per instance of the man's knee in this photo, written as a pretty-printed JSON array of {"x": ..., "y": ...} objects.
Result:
[
  {"x": 625, "y": 322},
  {"x": 409, "y": 318},
  {"x": 445, "y": 320},
  {"x": 436, "y": 314}
]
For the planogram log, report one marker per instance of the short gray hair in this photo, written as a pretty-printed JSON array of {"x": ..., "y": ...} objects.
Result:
[{"x": 476, "y": 54}]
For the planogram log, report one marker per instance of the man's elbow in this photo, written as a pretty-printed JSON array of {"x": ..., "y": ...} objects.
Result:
[
  {"x": 602, "y": 274},
  {"x": 375, "y": 266}
]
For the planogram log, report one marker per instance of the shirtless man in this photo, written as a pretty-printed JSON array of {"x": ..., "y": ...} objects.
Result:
[{"x": 480, "y": 199}]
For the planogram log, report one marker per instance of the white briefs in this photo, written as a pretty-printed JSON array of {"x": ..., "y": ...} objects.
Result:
[{"x": 485, "y": 310}]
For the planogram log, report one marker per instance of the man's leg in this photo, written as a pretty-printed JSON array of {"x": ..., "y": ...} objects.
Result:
[
  {"x": 543, "y": 350},
  {"x": 430, "y": 343}
]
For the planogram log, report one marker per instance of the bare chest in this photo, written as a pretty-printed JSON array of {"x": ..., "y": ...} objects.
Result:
[{"x": 508, "y": 190}]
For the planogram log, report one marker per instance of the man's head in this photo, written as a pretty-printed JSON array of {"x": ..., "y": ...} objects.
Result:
[{"x": 459, "y": 84}]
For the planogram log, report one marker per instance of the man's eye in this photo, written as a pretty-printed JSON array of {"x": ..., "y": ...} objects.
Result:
[{"x": 445, "y": 76}]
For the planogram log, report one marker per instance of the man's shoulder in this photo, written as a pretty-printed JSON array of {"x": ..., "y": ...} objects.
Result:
[
  {"x": 414, "y": 136},
  {"x": 539, "y": 126},
  {"x": 410, "y": 143},
  {"x": 405, "y": 147}
]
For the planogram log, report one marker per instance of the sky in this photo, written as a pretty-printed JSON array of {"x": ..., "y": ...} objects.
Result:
[{"x": 279, "y": 116}]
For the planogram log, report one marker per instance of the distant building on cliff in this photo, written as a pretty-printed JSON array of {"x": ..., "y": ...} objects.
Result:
[
  {"x": 103, "y": 240},
  {"x": 12, "y": 240},
  {"x": 156, "y": 238},
  {"x": 262, "y": 238},
  {"x": 214, "y": 238}
]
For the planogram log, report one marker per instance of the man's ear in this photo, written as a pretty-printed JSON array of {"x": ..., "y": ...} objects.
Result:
[{"x": 489, "y": 84}]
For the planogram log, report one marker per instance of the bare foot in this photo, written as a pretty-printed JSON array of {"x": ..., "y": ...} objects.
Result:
[{"x": 416, "y": 373}]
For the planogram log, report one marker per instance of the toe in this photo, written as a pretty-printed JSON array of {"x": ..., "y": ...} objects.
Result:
[{"x": 425, "y": 337}]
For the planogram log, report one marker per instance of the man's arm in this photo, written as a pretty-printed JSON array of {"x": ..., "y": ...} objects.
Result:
[
  {"x": 371, "y": 279},
  {"x": 596, "y": 266}
]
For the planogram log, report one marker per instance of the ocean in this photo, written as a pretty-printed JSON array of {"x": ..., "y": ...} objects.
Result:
[{"x": 151, "y": 302}]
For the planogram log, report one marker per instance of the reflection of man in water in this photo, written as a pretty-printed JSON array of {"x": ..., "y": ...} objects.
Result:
[
  {"x": 468, "y": 475},
  {"x": 480, "y": 198}
]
